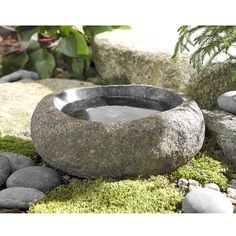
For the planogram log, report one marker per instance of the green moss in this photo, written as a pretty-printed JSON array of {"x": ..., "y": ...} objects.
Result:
[
  {"x": 18, "y": 145},
  {"x": 205, "y": 169},
  {"x": 108, "y": 196}
]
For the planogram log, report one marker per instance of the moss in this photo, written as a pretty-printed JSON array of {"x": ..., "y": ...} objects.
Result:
[
  {"x": 153, "y": 195},
  {"x": 18, "y": 145},
  {"x": 205, "y": 169}
]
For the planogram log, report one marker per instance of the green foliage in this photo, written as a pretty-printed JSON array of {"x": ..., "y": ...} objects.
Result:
[
  {"x": 74, "y": 45},
  {"x": 14, "y": 61},
  {"x": 26, "y": 32},
  {"x": 153, "y": 195},
  {"x": 210, "y": 41},
  {"x": 205, "y": 169},
  {"x": 53, "y": 45},
  {"x": 18, "y": 145},
  {"x": 43, "y": 62}
]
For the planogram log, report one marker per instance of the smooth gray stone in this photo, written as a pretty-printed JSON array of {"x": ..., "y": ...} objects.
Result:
[
  {"x": 231, "y": 193},
  {"x": 232, "y": 184},
  {"x": 193, "y": 182},
  {"x": 118, "y": 113},
  {"x": 153, "y": 145},
  {"x": 204, "y": 200},
  {"x": 20, "y": 75},
  {"x": 5, "y": 170},
  {"x": 222, "y": 126},
  {"x": 38, "y": 177},
  {"x": 227, "y": 101},
  {"x": 183, "y": 182},
  {"x": 19, "y": 197},
  {"x": 212, "y": 186},
  {"x": 17, "y": 161}
]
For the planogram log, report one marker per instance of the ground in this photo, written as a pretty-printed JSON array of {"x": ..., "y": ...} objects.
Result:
[{"x": 158, "y": 194}]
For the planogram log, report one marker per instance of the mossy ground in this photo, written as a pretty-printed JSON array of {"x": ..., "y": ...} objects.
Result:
[
  {"x": 154, "y": 195},
  {"x": 18, "y": 145},
  {"x": 205, "y": 169}
]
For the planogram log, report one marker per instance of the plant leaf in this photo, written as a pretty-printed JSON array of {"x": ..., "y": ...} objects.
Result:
[
  {"x": 66, "y": 30},
  {"x": 26, "y": 32},
  {"x": 77, "y": 67},
  {"x": 33, "y": 46},
  {"x": 44, "y": 63},
  {"x": 121, "y": 27},
  {"x": 73, "y": 46},
  {"x": 14, "y": 61},
  {"x": 91, "y": 31}
]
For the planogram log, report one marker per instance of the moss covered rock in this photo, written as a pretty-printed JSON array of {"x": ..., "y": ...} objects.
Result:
[{"x": 154, "y": 195}]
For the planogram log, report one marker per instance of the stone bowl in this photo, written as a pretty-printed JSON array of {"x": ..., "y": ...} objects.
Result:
[{"x": 152, "y": 145}]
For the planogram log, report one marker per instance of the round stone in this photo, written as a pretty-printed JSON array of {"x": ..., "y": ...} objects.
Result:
[
  {"x": 183, "y": 182},
  {"x": 5, "y": 170},
  {"x": 19, "y": 197},
  {"x": 39, "y": 177},
  {"x": 227, "y": 101},
  {"x": 155, "y": 144},
  {"x": 212, "y": 186},
  {"x": 231, "y": 193},
  {"x": 232, "y": 184},
  {"x": 194, "y": 183},
  {"x": 17, "y": 161},
  {"x": 204, "y": 200}
]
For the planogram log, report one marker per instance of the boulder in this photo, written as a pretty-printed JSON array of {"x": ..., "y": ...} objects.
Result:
[
  {"x": 122, "y": 56},
  {"x": 204, "y": 200},
  {"x": 153, "y": 145},
  {"x": 17, "y": 161},
  {"x": 39, "y": 177},
  {"x": 222, "y": 125},
  {"x": 227, "y": 101},
  {"x": 18, "y": 101},
  {"x": 19, "y": 197}
]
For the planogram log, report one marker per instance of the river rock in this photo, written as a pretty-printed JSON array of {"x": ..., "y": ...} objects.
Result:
[
  {"x": 212, "y": 186},
  {"x": 183, "y": 182},
  {"x": 231, "y": 193},
  {"x": 18, "y": 101},
  {"x": 19, "y": 197},
  {"x": 17, "y": 161},
  {"x": 38, "y": 177},
  {"x": 194, "y": 182},
  {"x": 227, "y": 101},
  {"x": 20, "y": 75},
  {"x": 232, "y": 183},
  {"x": 222, "y": 125},
  {"x": 5, "y": 170},
  {"x": 204, "y": 200}
]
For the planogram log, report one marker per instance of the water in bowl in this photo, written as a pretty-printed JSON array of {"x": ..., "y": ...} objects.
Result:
[{"x": 114, "y": 113}]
